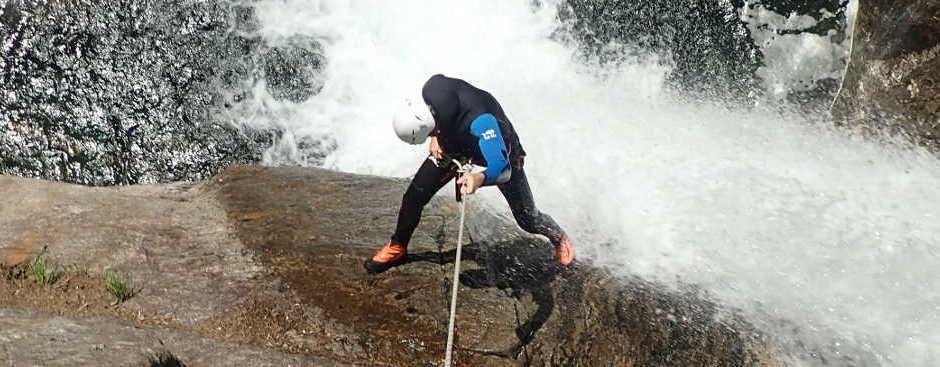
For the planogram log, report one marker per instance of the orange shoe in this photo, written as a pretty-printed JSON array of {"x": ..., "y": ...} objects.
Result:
[
  {"x": 564, "y": 251},
  {"x": 388, "y": 256}
]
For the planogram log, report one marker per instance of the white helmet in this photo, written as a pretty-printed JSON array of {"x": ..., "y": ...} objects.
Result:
[{"x": 413, "y": 121}]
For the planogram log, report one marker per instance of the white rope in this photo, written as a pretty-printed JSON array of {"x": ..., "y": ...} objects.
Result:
[{"x": 453, "y": 299}]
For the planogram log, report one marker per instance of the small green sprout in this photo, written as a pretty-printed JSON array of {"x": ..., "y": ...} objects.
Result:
[
  {"x": 118, "y": 285},
  {"x": 43, "y": 270}
]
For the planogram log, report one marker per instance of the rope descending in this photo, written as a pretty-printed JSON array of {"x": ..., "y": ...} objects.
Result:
[{"x": 462, "y": 168}]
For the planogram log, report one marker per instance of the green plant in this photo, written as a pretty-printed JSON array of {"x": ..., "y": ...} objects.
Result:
[
  {"x": 43, "y": 270},
  {"x": 118, "y": 285}
]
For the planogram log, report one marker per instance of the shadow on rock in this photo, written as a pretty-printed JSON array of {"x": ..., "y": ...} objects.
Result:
[
  {"x": 518, "y": 267},
  {"x": 311, "y": 229},
  {"x": 164, "y": 359}
]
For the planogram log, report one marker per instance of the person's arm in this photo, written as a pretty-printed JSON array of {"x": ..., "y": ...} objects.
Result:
[{"x": 490, "y": 141}]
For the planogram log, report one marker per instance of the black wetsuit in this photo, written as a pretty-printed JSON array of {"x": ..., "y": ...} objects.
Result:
[{"x": 471, "y": 126}]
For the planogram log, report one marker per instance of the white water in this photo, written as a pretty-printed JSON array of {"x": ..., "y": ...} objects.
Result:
[
  {"x": 836, "y": 236},
  {"x": 795, "y": 62}
]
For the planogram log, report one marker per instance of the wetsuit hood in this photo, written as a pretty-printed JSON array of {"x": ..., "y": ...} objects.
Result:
[{"x": 440, "y": 94}]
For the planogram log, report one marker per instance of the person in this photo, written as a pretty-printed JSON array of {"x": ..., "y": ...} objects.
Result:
[{"x": 466, "y": 124}]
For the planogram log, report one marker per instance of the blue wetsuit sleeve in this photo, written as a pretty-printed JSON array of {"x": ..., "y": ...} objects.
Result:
[{"x": 490, "y": 141}]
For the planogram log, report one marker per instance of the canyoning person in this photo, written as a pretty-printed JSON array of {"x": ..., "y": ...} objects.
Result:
[{"x": 466, "y": 124}]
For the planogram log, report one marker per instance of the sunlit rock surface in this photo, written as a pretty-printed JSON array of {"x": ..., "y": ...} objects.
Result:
[
  {"x": 893, "y": 79},
  {"x": 32, "y": 338},
  {"x": 271, "y": 257}
]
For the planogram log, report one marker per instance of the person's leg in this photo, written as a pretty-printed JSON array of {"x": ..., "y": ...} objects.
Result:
[
  {"x": 429, "y": 179},
  {"x": 530, "y": 219}
]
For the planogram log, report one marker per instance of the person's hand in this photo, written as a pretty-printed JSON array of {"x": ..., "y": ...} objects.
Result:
[
  {"x": 435, "y": 149},
  {"x": 470, "y": 182}
]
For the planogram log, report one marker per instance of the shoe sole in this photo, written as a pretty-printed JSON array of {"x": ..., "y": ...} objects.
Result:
[{"x": 375, "y": 267}]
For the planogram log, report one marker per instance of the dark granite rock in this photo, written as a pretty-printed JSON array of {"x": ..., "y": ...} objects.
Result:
[
  {"x": 813, "y": 8},
  {"x": 707, "y": 44},
  {"x": 123, "y": 92},
  {"x": 710, "y": 48},
  {"x": 292, "y": 70},
  {"x": 892, "y": 83}
]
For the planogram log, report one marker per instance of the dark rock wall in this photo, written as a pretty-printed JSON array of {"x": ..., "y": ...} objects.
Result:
[
  {"x": 292, "y": 70},
  {"x": 708, "y": 44},
  {"x": 893, "y": 79},
  {"x": 710, "y": 48},
  {"x": 121, "y": 92},
  {"x": 813, "y": 8}
]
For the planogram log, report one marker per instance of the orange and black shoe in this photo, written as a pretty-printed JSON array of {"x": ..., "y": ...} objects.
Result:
[
  {"x": 388, "y": 256},
  {"x": 564, "y": 251}
]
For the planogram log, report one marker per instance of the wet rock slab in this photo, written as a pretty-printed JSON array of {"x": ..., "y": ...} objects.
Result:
[
  {"x": 270, "y": 257},
  {"x": 312, "y": 228}
]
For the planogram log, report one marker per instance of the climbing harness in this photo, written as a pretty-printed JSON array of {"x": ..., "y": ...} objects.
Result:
[{"x": 461, "y": 168}]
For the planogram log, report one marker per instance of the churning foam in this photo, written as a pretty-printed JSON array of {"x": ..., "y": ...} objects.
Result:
[{"x": 773, "y": 214}]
